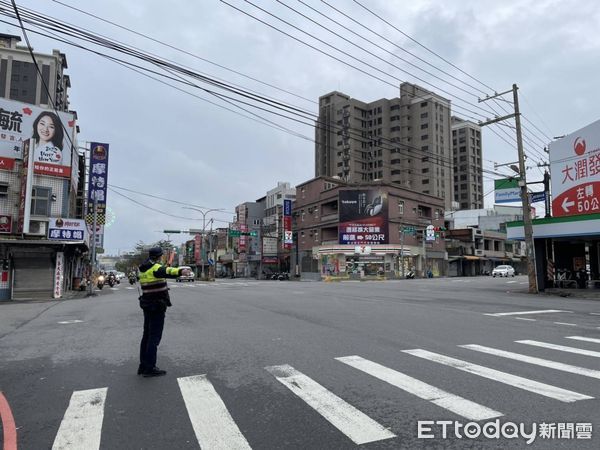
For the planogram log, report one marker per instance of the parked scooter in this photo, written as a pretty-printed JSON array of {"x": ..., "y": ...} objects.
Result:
[
  {"x": 410, "y": 275},
  {"x": 100, "y": 282}
]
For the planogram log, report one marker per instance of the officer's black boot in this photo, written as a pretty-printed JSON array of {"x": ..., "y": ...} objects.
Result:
[{"x": 154, "y": 372}]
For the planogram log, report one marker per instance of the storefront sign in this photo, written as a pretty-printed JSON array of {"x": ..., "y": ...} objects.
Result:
[
  {"x": 507, "y": 190},
  {"x": 288, "y": 237},
  {"x": 362, "y": 249},
  {"x": 59, "y": 271},
  {"x": 575, "y": 172},
  {"x": 66, "y": 229},
  {"x": 363, "y": 217},
  {"x": 51, "y": 135},
  {"x": 5, "y": 223},
  {"x": 98, "y": 182}
]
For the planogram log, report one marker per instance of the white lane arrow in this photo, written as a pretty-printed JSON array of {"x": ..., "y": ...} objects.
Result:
[{"x": 567, "y": 204}]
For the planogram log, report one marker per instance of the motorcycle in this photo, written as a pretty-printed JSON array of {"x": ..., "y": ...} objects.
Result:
[
  {"x": 111, "y": 281},
  {"x": 132, "y": 279},
  {"x": 100, "y": 282},
  {"x": 410, "y": 275},
  {"x": 283, "y": 276}
]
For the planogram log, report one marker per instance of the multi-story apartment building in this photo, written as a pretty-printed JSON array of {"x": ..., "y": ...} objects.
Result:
[
  {"x": 248, "y": 219},
  {"x": 370, "y": 229},
  {"x": 468, "y": 178},
  {"x": 404, "y": 140},
  {"x": 275, "y": 256},
  {"x": 42, "y": 233},
  {"x": 19, "y": 79}
]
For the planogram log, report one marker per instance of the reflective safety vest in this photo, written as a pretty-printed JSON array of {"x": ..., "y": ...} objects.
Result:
[{"x": 153, "y": 285}]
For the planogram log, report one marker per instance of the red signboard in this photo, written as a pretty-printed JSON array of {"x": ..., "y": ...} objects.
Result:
[
  {"x": 7, "y": 163},
  {"x": 575, "y": 171},
  {"x": 197, "y": 248}
]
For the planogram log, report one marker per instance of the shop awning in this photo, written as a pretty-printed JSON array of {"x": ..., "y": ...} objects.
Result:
[{"x": 472, "y": 258}]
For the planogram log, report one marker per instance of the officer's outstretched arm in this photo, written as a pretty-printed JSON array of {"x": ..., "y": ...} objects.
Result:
[{"x": 167, "y": 272}]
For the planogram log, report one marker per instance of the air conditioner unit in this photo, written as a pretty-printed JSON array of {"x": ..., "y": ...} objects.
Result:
[
  {"x": 478, "y": 252},
  {"x": 38, "y": 228}
]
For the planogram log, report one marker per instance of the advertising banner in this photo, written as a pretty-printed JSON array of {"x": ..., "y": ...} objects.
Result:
[
  {"x": 59, "y": 273},
  {"x": 575, "y": 172},
  {"x": 66, "y": 229},
  {"x": 5, "y": 223},
  {"x": 507, "y": 190},
  {"x": 98, "y": 182},
  {"x": 363, "y": 217},
  {"x": 288, "y": 238},
  {"x": 99, "y": 234},
  {"x": 50, "y": 132}
]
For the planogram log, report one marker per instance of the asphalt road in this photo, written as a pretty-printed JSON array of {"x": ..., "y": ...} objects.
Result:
[{"x": 269, "y": 365}]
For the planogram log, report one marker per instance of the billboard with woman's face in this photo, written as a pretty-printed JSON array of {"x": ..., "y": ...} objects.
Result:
[
  {"x": 363, "y": 217},
  {"x": 50, "y": 132}
]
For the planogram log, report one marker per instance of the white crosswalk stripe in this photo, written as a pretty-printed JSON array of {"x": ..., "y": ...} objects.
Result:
[
  {"x": 537, "y": 361},
  {"x": 451, "y": 402},
  {"x": 359, "y": 427},
  {"x": 562, "y": 348},
  {"x": 585, "y": 339},
  {"x": 536, "y": 387},
  {"x": 213, "y": 425},
  {"x": 215, "y": 428},
  {"x": 81, "y": 426}
]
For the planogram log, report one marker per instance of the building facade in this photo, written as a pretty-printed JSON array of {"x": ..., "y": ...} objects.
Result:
[
  {"x": 405, "y": 140},
  {"x": 468, "y": 166},
  {"x": 366, "y": 230},
  {"x": 19, "y": 79},
  {"x": 43, "y": 237}
]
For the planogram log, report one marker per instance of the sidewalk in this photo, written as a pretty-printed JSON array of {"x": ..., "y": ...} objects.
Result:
[{"x": 589, "y": 294}]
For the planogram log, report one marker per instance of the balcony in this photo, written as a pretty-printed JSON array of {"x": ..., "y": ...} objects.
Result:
[{"x": 329, "y": 217}]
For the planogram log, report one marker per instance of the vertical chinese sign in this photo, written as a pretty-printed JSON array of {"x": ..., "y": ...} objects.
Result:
[
  {"x": 59, "y": 271},
  {"x": 288, "y": 239},
  {"x": 575, "y": 172},
  {"x": 97, "y": 183},
  {"x": 26, "y": 183}
]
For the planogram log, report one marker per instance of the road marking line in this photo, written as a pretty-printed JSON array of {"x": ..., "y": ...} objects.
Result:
[
  {"x": 458, "y": 405},
  {"x": 566, "y": 323},
  {"x": 562, "y": 348},
  {"x": 213, "y": 425},
  {"x": 533, "y": 360},
  {"x": 510, "y": 282},
  {"x": 81, "y": 426},
  {"x": 65, "y": 322},
  {"x": 114, "y": 289},
  {"x": 523, "y": 282},
  {"x": 355, "y": 424},
  {"x": 129, "y": 287},
  {"x": 536, "y": 387},
  {"x": 595, "y": 314},
  {"x": 9, "y": 430},
  {"x": 525, "y": 318},
  {"x": 518, "y": 313},
  {"x": 586, "y": 339}
]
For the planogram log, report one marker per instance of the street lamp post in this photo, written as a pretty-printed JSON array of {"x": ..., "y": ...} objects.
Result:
[{"x": 204, "y": 213}]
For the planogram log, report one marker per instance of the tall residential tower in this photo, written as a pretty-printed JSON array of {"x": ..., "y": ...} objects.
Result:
[{"x": 404, "y": 140}]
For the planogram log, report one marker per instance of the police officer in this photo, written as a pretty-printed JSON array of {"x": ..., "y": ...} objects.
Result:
[{"x": 154, "y": 302}]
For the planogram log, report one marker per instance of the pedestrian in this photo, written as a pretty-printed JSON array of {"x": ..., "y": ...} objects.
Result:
[{"x": 154, "y": 302}]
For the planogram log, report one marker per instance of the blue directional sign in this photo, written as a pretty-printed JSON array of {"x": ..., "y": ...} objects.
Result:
[{"x": 538, "y": 197}]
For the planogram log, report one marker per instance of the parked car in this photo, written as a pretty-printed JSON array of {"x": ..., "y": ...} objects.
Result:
[
  {"x": 503, "y": 271},
  {"x": 190, "y": 277}
]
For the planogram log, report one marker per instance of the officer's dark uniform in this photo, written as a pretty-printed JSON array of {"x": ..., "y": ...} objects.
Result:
[{"x": 154, "y": 302}]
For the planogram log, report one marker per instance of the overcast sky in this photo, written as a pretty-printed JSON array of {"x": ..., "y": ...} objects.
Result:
[{"x": 172, "y": 144}]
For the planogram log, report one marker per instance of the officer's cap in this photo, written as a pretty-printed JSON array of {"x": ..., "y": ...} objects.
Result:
[{"x": 155, "y": 252}]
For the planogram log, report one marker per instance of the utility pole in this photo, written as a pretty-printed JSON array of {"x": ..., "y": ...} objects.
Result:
[
  {"x": 402, "y": 248},
  {"x": 204, "y": 213},
  {"x": 527, "y": 223}
]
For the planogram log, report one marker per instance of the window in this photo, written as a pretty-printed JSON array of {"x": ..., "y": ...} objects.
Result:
[
  {"x": 40, "y": 201},
  {"x": 424, "y": 126},
  {"x": 400, "y": 207},
  {"x": 424, "y": 137},
  {"x": 425, "y": 181},
  {"x": 423, "y": 104},
  {"x": 424, "y": 115}
]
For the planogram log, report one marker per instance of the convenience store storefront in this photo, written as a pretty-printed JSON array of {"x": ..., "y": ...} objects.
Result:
[{"x": 569, "y": 243}]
